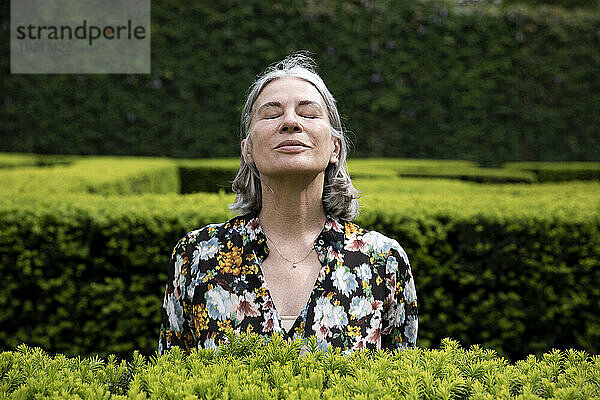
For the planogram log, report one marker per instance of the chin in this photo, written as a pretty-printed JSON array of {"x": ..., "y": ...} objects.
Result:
[{"x": 293, "y": 168}]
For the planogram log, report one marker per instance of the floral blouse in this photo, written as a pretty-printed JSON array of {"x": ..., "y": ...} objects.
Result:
[{"x": 364, "y": 296}]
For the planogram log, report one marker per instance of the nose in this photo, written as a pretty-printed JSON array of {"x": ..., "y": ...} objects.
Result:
[{"x": 290, "y": 124}]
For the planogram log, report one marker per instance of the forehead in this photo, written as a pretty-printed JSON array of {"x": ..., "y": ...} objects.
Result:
[{"x": 285, "y": 90}]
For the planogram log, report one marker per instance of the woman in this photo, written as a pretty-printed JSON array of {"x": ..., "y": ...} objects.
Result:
[{"x": 292, "y": 263}]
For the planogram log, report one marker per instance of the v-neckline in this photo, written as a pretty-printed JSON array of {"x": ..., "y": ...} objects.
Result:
[
  {"x": 331, "y": 236},
  {"x": 316, "y": 286}
]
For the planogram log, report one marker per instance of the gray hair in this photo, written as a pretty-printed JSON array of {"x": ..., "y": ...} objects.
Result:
[{"x": 339, "y": 195}]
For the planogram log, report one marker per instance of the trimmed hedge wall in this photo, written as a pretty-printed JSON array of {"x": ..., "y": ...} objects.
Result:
[
  {"x": 571, "y": 4},
  {"x": 514, "y": 267},
  {"x": 559, "y": 172},
  {"x": 101, "y": 175},
  {"x": 424, "y": 79},
  {"x": 249, "y": 367},
  {"x": 85, "y": 274},
  {"x": 214, "y": 175},
  {"x": 510, "y": 266},
  {"x": 12, "y": 160}
]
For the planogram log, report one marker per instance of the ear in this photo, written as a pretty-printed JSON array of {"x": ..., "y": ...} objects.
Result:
[
  {"x": 335, "y": 156},
  {"x": 246, "y": 148}
]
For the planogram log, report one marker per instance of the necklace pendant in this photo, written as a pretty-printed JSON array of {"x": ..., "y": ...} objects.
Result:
[{"x": 294, "y": 265}]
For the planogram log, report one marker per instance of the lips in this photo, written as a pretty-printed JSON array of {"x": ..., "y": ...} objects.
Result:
[{"x": 291, "y": 143}]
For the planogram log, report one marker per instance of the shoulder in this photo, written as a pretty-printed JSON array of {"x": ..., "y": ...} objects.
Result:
[
  {"x": 211, "y": 234},
  {"x": 376, "y": 242}
]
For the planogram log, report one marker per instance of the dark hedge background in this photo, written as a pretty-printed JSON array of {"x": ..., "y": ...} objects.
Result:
[{"x": 420, "y": 79}]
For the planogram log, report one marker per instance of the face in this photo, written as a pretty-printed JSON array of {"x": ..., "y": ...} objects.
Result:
[{"x": 289, "y": 130}]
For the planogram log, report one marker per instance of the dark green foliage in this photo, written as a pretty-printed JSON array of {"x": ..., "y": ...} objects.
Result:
[
  {"x": 83, "y": 274},
  {"x": 13, "y": 160},
  {"x": 206, "y": 176},
  {"x": 497, "y": 264},
  {"x": 559, "y": 172},
  {"x": 513, "y": 267},
  {"x": 214, "y": 175},
  {"x": 448, "y": 169},
  {"x": 274, "y": 369},
  {"x": 569, "y": 4},
  {"x": 423, "y": 79},
  {"x": 519, "y": 285}
]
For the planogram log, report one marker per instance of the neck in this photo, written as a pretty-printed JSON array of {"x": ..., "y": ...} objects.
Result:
[{"x": 292, "y": 208}]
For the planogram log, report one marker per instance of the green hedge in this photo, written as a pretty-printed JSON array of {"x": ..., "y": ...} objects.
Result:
[
  {"x": 571, "y": 4},
  {"x": 17, "y": 160},
  {"x": 558, "y": 172},
  {"x": 423, "y": 79},
  {"x": 85, "y": 274},
  {"x": 448, "y": 169},
  {"x": 514, "y": 267},
  {"x": 248, "y": 367},
  {"x": 207, "y": 175},
  {"x": 214, "y": 175},
  {"x": 510, "y": 266},
  {"x": 101, "y": 175}
]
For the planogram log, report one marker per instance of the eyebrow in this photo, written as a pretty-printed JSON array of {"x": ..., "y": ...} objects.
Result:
[
  {"x": 269, "y": 104},
  {"x": 278, "y": 104}
]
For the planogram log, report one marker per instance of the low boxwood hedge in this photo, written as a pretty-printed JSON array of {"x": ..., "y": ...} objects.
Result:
[
  {"x": 514, "y": 267},
  {"x": 251, "y": 367},
  {"x": 448, "y": 169},
  {"x": 17, "y": 160},
  {"x": 559, "y": 171},
  {"x": 207, "y": 175},
  {"x": 101, "y": 175},
  {"x": 214, "y": 175}
]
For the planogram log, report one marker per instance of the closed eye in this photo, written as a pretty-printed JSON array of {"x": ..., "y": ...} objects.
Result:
[{"x": 272, "y": 116}]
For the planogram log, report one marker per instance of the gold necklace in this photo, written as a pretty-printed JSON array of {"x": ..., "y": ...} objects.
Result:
[{"x": 294, "y": 263}]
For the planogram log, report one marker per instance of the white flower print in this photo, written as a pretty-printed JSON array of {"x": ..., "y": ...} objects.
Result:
[
  {"x": 397, "y": 314},
  {"x": 207, "y": 249},
  {"x": 344, "y": 280},
  {"x": 247, "y": 306},
  {"x": 378, "y": 242},
  {"x": 321, "y": 330},
  {"x": 363, "y": 271},
  {"x": 271, "y": 324},
  {"x": 174, "y": 312},
  {"x": 332, "y": 223},
  {"x": 392, "y": 265},
  {"x": 252, "y": 228},
  {"x": 267, "y": 324},
  {"x": 374, "y": 331},
  {"x": 359, "y": 343},
  {"x": 324, "y": 318},
  {"x": 377, "y": 305},
  {"x": 339, "y": 317},
  {"x": 390, "y": 283},
  {"x": 210, "y": 344},
  {"x": 218, "y": 303},
  {"x": 412, "y": 326},
  {"x": 178, "y": 278},
  {"x": 356, "y": 243},
  {"x": 410, "y": 293},
  {"x": 323, "y": 308},
  {"x": 332, "y": 254},
  {"x": 191, "y": 289},
  {"x": 360, "y": 307}
]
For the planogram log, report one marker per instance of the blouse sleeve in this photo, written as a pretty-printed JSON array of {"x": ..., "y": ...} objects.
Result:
[
  {"x": 175, "y": 329},
  {"x": 400, "y": 321}
]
